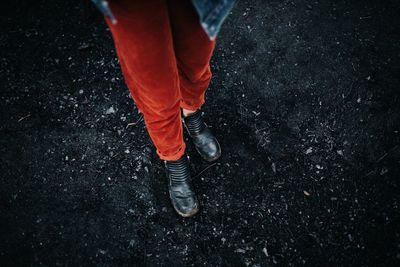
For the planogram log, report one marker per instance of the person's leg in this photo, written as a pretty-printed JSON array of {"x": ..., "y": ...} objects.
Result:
[
  {"x": 143, "y": 41},
  {"x": 193, "y": 50},
  {"x": 144, "y": 46}
]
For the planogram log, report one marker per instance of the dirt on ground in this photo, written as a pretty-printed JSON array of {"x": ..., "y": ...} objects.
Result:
[{"x": 304, "y": 100}]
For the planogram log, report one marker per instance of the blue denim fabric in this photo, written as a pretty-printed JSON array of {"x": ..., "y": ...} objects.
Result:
[
  {"x": 212, "y": 13},
  {"x": 102, "y": 5}
]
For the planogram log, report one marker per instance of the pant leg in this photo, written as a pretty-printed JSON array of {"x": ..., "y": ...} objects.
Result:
[
  {"x": 144, "y": 46},
  {"x": 193, "y": 51}
]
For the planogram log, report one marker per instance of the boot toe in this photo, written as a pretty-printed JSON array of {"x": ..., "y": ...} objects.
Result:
[
  {"x": 211, "y": 150},
  {"x": 186, "y": 207}
]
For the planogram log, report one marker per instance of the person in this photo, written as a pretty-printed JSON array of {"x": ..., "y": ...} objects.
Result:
[{"x": 164, "y": 48}]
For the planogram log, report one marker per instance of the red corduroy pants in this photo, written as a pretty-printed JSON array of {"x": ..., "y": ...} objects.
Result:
[{"x": 165, "y": 57}]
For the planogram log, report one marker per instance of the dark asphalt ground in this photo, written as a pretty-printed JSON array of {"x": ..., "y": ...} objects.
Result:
[{"x": 304, "y": 100}]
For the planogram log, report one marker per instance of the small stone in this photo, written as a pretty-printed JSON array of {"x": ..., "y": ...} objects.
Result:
[
  {"x": 273, "y": 166},
  {"x": 239, "y": 250},
  {"x": 110, "y": 110}
]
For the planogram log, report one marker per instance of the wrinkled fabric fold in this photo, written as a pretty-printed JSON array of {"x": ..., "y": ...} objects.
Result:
[{"x": 165, "y": 57}]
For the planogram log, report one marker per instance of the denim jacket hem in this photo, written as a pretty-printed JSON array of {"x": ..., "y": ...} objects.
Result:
[{"x": 212, "y": 13}]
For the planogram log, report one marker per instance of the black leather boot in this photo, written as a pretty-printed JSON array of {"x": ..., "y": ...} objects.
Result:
[
  {"x": 181, "y": 192},
  {"x": 205, "y": 142}
]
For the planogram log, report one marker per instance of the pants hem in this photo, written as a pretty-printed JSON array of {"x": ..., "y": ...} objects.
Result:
[
  {"x": 175, "y": 156},
  {"x": 191, "y": 107}
]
